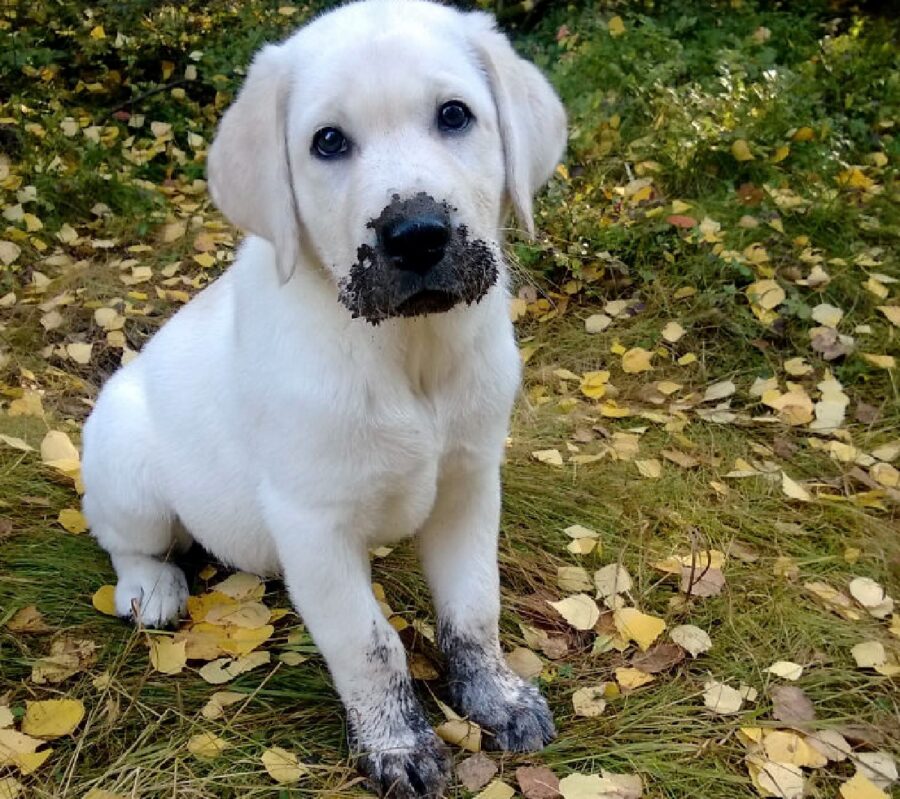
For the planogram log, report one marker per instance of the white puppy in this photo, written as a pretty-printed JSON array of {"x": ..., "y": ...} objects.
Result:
[{"x": 348, "y": 381}]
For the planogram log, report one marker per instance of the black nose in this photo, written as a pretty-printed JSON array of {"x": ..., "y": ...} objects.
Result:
[{"x": 416, "y": 243}]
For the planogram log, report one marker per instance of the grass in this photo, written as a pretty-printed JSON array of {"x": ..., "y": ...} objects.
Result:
[{"x": 666, "y": 101}]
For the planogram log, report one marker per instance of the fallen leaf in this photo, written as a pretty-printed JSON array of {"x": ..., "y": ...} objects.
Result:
[
  {"x": 460, "y": 732},
  {"x": 16, "y": 443},
  {"x": 702, "y": 582},
  {"x": 827, "y": 315},
  {"x": 879, "y": 767},
  {"x": 537, "y": 782},
  {"x": 573, "y": 578},
  {"x": 721, "y": 698},
  {"x": 719, "y": 391},
  {"x": 794, "y": 490},
  {"x": 28, "y": 620},
  {"x": 630, "y": 678},
  {"x": 216, "y": 704},
  {"x": 673, "y": 332},
  {"x": 615, "y": 26},
  {"x": 52, "y": 718},
  {"x": 223, "y": 670},
  {"x": 786, "y": 669},
  {"x": 579, "y": 610},
  {"x": 167, "y": 656},
  {"x": 636, "y": 360},
  {"x": 612, "y": 579},
  {"x": 783, "y": 780},
  {"x": 860, "y": 787},
  {"x": 206, "y": 746},
  {"x": 658, "y": 658},
  {"x": 476, "y": 771},
  {"x": 650, "y": 468},
  {"x": 892, "y": 313},
  {"x": 551, "y": 457},
  {"x": 496, "y": 790},
  {"x": 282, "y": 766},
  {"x": 241, "y": 586},
  {"x": 597, "y": 323},
  {"x": 787, "y": 746},
  {"x": 104, "y": 600},
  {"x": 791, "y": 705},
  {"x": 869, "y": 654},
  {"x": 20, "y": 750},
  {"x": 639, "y": 627},
  {"x": 72, "y": 520},
  {"x": 590, "y": 701},
  {"x": 691, "y": 638}
]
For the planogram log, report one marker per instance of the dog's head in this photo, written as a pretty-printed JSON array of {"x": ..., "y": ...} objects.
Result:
[{"x": 387, "y": 141}]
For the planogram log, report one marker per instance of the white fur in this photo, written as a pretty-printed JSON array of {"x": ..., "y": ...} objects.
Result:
[{"x": 283, "y": 435}]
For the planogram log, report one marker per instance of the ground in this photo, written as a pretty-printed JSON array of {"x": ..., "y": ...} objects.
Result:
[{"x": 709, "y": 321}]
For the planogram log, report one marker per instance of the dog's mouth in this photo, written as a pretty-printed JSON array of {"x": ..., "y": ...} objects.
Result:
[{"x": 426, "y": 302}]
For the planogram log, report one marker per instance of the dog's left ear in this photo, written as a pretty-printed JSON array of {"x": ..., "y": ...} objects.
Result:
[{"x": 532, "y": 118}]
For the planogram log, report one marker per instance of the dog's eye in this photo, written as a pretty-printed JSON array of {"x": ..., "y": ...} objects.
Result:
[
  {"x": 330, "y": 142},
  {"x": 453, "y": 116}
]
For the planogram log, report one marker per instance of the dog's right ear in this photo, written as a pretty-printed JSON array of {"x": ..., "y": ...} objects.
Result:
[{"x": 249, "y": 165}]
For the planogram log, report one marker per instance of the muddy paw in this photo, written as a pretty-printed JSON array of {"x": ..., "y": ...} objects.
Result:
[{"x": 417, "y": 772}]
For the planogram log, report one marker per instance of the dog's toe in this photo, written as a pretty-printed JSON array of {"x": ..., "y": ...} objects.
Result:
[
  {"x": 152, "y": 593},
  {"x": 522, "y": 726},
  {"x": 420, "y": 772}
]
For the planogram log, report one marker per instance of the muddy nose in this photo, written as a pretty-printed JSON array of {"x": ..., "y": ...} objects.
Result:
[{"x": 416, "y": 243}]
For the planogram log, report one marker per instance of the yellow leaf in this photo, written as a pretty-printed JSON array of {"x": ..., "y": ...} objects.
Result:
[
  {"x": 597, "y": 323},
  {"x": 794, "y": 490},
  {"x": 281, "y": 765},
  {"x": 672, "y": 332},
  {"x": 104, "y": 600},
  {"x": 881, "y": 361},
  {"x": 615, "y": 26},
  {"x": 861, "y": 787},
  {"x": 98, "y": 32},
  {"x": 579, "y": 610},
  {"x": 892, "y": 312},
  {"x": 691, "y": 638},
  {"x": 804, "y": 134},
  {"x": 241, "y": 585},
  {"x": 207, "y": 746},
  {"x": 205, "y": 259},
  {"x": 589, "y": 702},
  {"x": 650, "y": 468},
  {"x": 780, "y": 154},
  {"x": 687, "y": 359},
  {"x": 869, "y": 654},
  {"x": 80, "y": 352},
  {"x": 215, "y": 707},
  {"x": 787, "y": 670},
  {"x": 225, "y": 669},
  {"x": 167, "y": 656},
  {"x": 16, "y": 443},
  {"x": 10, "y": 788},
  {"x": 20, "y": 750},
  {"x": 72, "y": 520},
  {"x": 245, "y": 614},
  {"x": 741, "y": 150},
  {"x": 635, "y": 360},
  {"x": 767, "y": 294},
  {"x": 551, "y": 457},
  {"x": 638, "y": 627},
  {"x": 630, "y": 678},
  {"x": 593, "y": 384},
  {"x": 462, "y": 733},
  {"x": 496, "y": 790},
  {"x": 57, "y": 446},
  {"x": 52, "y": 718},
  {"x": 827, "y": 315}
]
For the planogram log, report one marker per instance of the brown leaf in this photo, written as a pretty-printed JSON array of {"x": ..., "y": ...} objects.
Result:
[
  {"x": 828, "y": 343},
  {"x": 867, "y": 414},
  {"x": 791, "y": 705},
  {"x": 702, "y": 582},
  {"x": 537, "y": 782},
  {"x": 477, "y": 771},
  {"x": 682, "y": 221},
  {"x": 661, "y": 657},
  {"x": 28, "y": 620}
]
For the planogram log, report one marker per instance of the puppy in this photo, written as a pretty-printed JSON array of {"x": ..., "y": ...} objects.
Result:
[{"x": 348, "y": 382}]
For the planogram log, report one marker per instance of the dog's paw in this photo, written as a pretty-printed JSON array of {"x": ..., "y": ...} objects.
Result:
[
  {"x": 151, "y": 592},
  {"x": 417, "y": 772},
  {"x": 510, "y": 709}
]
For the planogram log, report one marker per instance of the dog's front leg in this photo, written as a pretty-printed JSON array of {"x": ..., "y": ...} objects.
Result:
[
  {"x": 459, "y": 553},
  {"x": 326, "y": 569}
]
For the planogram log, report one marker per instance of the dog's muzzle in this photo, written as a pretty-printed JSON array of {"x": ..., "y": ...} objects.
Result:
[{"x": 421, "y": 264}]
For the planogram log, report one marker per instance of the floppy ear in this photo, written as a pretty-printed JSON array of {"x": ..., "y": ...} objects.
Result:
[
  {"x": 532, "y": 118},
  {"x": 249, "y": 164}
]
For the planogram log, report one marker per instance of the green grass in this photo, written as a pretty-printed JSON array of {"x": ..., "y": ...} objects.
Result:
[{"x": 667, "y": 100}]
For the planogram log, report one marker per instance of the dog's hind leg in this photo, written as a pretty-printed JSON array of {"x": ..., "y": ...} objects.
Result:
[{"x": 126, "y": 514}]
